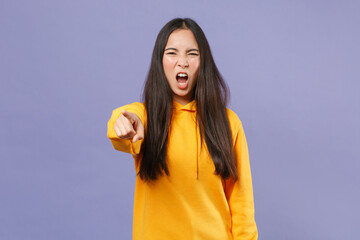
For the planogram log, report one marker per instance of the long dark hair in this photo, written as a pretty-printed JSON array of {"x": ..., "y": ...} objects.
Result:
[{"x": 211, "y": 95}]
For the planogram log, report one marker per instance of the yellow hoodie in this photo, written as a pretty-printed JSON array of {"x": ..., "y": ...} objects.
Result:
[{"x": 192, "y": 203}]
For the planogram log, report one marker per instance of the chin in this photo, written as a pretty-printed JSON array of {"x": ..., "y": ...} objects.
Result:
[{"x": 182, "y": 93}]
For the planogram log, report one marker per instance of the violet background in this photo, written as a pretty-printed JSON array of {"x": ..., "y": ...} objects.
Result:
[{"x": 293, "y": 68}]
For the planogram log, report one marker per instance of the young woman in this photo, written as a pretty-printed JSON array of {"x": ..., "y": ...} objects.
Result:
[{"x": 191, "y": 157}]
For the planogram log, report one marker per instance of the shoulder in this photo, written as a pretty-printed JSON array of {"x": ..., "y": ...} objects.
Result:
[{"x": 234, "y": 121}]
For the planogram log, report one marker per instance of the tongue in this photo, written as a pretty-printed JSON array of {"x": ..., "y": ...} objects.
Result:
[{"x": 182, "y": 79}]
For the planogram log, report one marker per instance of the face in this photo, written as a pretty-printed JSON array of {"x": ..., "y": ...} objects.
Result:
[{"x": 181, "y": 63}]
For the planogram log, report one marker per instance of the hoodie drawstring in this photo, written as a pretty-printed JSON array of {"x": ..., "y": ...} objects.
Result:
[{"x": 198, "y": 149}]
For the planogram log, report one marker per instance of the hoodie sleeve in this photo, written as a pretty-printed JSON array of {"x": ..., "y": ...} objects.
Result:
[
  {"x": 126, "y": 145},
  {"x": 240, "y": 193}
]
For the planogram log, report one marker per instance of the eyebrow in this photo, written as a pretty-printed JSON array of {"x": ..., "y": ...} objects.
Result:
[{"x": 190, "y": 50}]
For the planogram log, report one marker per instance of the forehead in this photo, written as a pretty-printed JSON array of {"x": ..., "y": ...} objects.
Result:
[{"x": 182, "y": 38}]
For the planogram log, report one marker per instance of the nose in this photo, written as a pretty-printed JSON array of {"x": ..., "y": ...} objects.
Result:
[{"x": 183, "y": 62}]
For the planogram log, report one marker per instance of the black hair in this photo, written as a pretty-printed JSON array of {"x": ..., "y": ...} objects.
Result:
[{"x": 211, "y": 95}]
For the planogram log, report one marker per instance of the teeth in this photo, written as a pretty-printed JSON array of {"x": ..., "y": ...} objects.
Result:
[
  {"x": 182, "y": 84},
  {"x": 182, "y": 75}
]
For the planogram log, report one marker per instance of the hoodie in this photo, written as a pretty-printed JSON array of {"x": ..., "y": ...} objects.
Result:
[{"x": 192, "y": 202}]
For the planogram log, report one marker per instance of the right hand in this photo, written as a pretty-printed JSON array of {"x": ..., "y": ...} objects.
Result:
[{"x": 129, "y": 126}]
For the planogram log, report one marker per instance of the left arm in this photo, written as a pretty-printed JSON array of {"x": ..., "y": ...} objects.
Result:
[{"x": 240, "y": 193}]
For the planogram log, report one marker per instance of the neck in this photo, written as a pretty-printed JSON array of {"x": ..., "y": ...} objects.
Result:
[{"x": 182, "y": 100}]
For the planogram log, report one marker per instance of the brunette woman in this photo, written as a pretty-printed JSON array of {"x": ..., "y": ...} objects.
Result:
[{"x": 191, "y": 157}]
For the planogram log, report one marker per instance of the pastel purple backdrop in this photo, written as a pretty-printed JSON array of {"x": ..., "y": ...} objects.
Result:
[{"x": 293, "y": 68}]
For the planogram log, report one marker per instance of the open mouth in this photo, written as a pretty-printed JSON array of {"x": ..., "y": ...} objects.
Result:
[{"x": 182, "y": 78}]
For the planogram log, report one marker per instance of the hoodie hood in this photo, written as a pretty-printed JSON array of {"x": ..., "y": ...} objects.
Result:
[{"x": 191, "y": 106}]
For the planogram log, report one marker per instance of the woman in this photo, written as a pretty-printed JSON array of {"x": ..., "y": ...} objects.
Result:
[{"x": 191, "y": 158}]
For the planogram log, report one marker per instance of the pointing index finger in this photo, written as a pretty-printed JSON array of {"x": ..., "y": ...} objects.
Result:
[{"x": 128, "y": 115}]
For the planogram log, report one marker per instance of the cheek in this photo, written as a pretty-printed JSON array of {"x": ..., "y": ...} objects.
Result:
[
  {"x": 168, "y": 68},
  {"x": 167, "y": 63},
  {"x": 195, "y": 66}
]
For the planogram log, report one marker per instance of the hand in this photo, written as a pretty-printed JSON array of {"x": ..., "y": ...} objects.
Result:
[{"x": 129, "y": 126}]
